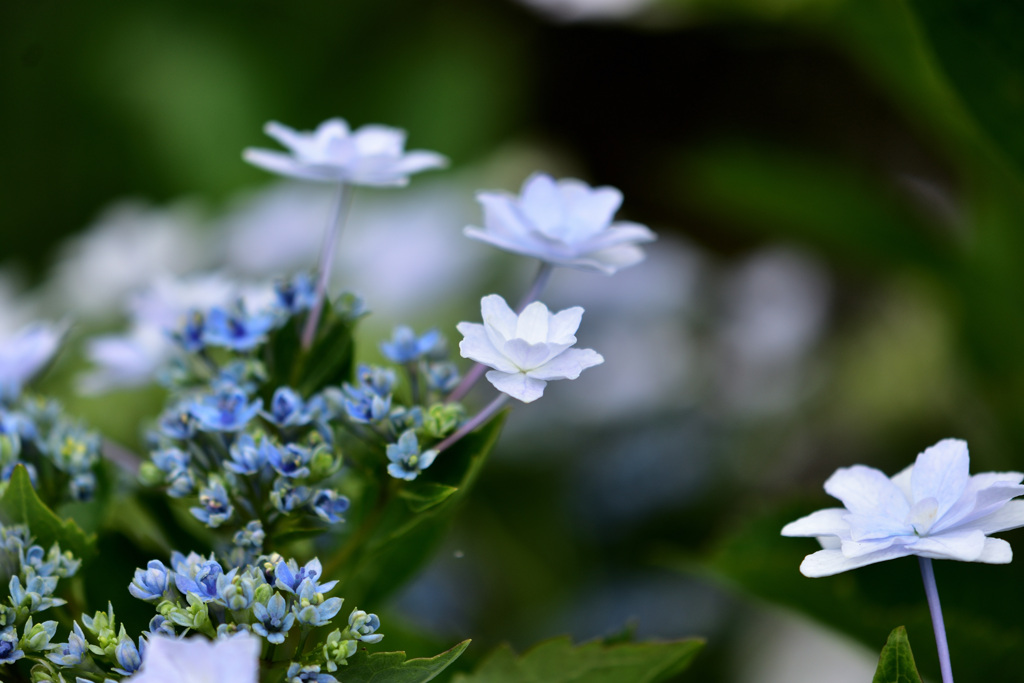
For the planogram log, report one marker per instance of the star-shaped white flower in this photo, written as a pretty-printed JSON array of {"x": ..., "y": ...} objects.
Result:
[
  {"x": 25, "y": 353},
  {"x": 372, "y": 155},
  {"x": 934, "y": 509},
  {"x": 199, "y": 660},
  {"x": 527, "y": 350},
  {"x": 564, "y": 222}
]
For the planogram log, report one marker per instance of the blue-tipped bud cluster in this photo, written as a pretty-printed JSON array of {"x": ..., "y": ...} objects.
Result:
[
  {"x": 270, "y": 597},
  {"x": 35, "y": 433}
]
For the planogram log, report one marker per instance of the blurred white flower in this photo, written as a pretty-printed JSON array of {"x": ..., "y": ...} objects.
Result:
[
  {"x": 280, "y": 229},
  {"x": 589, "y": 10},
  {"x": 157, "y": 312},
  {"x": 933, "y": 509},
  {"x": 25, "y": 353},
  {"x": 526, "y": 351},
  {"x": 565, "y": 222},
  {"x": 199, "y": 660},
  {"x": 372, "y": 155},
  {"x": 127, "y": 247}
]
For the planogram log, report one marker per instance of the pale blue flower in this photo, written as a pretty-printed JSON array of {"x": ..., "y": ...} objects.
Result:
[
  {"x": 933, "y": 509},
  {"x": 9, "y": 651},
  {"x": 297, "y": 294},
  {"x": 214, "y": 505},
  {"x": 236, "y": 330},
  {"x": 329, "y": 506},
  {"x": 274, "y": 619},
  {"x": 246, "y": 458},
  {"x": 406, "y": 460},
  {"x": 364, "y": 626},
  {"x": 228, "y": 410},
  {"x": 372, "y": 155},
  {"x": 234, "y": 659},
  {"x": 196, "y": 575},
  {"x": 71, "y": 652},
  {"x": 150, "y": 584},
  {"x": 405, "y": 346},
  {"x": 129, "y": 657},
  {"x": 527, "y": 350},
  {"x": 307, "y": 674},
  {"x": 564, "y": 222},
  {"x": 287, "y": 409}
]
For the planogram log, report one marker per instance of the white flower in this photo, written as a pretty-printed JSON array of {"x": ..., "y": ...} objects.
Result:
[
  {"x": 198, "y": 660},
  {"x": 933, "y": 509},
  {"x": 526, "y": 351},
  {"x": 565, "y": 222},
  {"x": 25, "y": 353},
  {"x": 371, "y": 155}
]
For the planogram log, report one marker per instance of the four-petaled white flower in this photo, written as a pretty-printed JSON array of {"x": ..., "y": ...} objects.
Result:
[
  {"x": 564, "y": 222},
  {"x": 371, "y": 155},
  {"x": 934, "y": 509},
  {"x": 25, "y": 353},
  {"x": 199, "y": 660},
  {"x": 526, "y": 351}
]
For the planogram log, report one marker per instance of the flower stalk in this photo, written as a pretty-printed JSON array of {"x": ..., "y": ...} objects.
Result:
[
  {"x": 338, "y": 216},
  {"x": 473, "y": 422},
  {"x": 931, "y": 592}
]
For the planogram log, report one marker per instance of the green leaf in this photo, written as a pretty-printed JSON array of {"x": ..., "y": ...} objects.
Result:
[
  {"x": 393, "y": 667},
  {"x": 398, "y": 537},
  {"x": 20, "y": 504},
  {"x": 423, "y": 495},
  {"x": 329, "y": 362},
  {"x": 557, "y": 661},
  {"x": 978, "y": 46},
  {"x": 896, "y": 665}
]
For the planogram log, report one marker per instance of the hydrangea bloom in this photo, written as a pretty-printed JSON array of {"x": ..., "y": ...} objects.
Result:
[
  {"x": 372, "y": 155},
  {"x": 197, "y": 660},
  {"x": 564, "y": 222},
  {"x": 934, "y": 509},
  {"x": 526, "y": 351},
  {"x": 25, "y": 353}
]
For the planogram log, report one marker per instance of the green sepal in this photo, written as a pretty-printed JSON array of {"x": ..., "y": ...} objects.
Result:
[
  {"x": 558, "y": 661},
  {"x": 896, "y": 665},
  {"x": 20, "y": 504}
]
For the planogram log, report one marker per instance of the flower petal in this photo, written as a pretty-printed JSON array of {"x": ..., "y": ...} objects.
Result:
[
  {"x": 563, "y": 325},
  {"x": 867, "y": 491},
  {"x": 941, "y": 472},
  {"x": 1009, "y": 516},
  {"x": 567, "y": 365},
  {"x": 997, "y": 551},
  {"x": 517, "y": 385},
  {"x": 532, "y": 325},
  {"x": 965, "y": 546},
  {"x": 827, "y": 522},
  {"x": 830, "y": 562},
  {"x": 499, "y": 319},
  {"x": 279, "y": 162},
  {"x": 477, "y": 346}
]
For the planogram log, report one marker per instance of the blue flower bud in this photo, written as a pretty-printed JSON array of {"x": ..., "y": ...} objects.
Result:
[{"x": 150, "y": 584}]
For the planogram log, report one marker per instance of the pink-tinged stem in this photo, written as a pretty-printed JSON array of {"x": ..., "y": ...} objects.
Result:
[
  {"x": 341, "y": 206},
  {"x": 931, "y": 592},
  {"x": 540, "y": 280},
  {"x": 473, "y": 423}
]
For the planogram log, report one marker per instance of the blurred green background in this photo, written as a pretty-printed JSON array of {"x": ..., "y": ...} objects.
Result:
[{"x": 837, "y": 186}]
